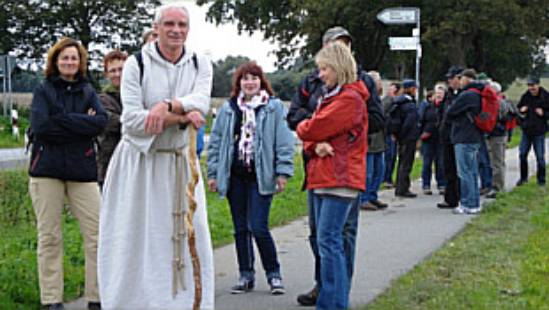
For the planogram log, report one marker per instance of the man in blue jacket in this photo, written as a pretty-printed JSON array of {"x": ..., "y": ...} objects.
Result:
[{"x": 467, "y": 137}]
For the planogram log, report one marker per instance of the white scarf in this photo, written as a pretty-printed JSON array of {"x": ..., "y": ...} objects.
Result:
[{"x": 247, "y": 131}]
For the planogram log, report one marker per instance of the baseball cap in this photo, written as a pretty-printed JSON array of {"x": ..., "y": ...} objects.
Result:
[
  {"x": 453, "y": 71},
  {"x": 532, "y": 80},
  {"x": 335, "y": 33}
]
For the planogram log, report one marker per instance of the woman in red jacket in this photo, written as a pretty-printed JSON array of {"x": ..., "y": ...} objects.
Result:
[{"x": 336, "y": 139}]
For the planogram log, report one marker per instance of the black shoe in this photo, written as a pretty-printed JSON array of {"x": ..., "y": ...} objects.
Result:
[
  {"x": 57, "y": 306},
  {"x": 380, "y": 205},
  {"x": 94, "y": 306},
  {"x": 309, "y": 298},
  {"x": 491, "y": 194},
  {"x": 277, "y": 288},
  {"x": 445, "y": 205},
  {"x": 521, "y": 181},
  {"x": 484, "y": 191},
  {"x": 243, "y": 286},
  {"x": 407, "y": 195}
]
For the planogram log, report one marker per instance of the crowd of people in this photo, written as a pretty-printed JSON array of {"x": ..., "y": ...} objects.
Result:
[{"x": 127, "y": 161}]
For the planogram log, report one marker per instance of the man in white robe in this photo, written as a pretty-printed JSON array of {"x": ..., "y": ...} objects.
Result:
[{"x": 149, "y": 169}]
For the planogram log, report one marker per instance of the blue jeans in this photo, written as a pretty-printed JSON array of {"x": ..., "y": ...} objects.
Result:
[
  {"x": 390, "y": 159},
  {"x": 526, "y": 143},
  {"x": 467, "y": 169},
  {"x": 431, "y": 151},
  {"x": 250, "y": 215},
  {"x": 484, "y": 166},
  {"x": 349, "y": 237},
  {"x": 331, "y": 214},
  {"x": 375, "y": 168}
]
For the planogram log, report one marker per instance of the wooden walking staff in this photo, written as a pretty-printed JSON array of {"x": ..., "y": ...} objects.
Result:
[{"x": 191, "y": 185}]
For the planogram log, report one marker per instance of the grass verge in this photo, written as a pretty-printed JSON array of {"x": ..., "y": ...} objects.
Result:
[{"x": 499, "y": 261}]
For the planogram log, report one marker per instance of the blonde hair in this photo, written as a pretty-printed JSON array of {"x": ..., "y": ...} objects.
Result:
[
  {"x": 337, "y": 56},
  {"x": 53, "y": 55}
]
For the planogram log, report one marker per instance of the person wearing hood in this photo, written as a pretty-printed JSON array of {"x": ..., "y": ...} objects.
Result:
[
  {"x": 534, "y": 113},
  {"x": 113, "y": 63},
  {"x": 466, "y": 138},
  {"x": 66, "y": 116},
  {"x": 143, "y": 259},
  {"x": 335, "y": 140},
  {"x": 406, "y": 133}
]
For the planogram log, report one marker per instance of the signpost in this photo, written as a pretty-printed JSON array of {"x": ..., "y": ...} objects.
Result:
[
  {"x": 7, "y": 64},
  {"x": 402, "y": 16}
]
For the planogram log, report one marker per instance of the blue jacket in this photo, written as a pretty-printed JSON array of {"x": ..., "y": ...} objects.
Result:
[
  {"x": 63, "y": 132},
  {"x": 461, "y": 115},
  {"x": 273, "y": 147}
]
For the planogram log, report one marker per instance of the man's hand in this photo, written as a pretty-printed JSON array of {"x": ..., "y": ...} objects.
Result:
[
  {"x": 281, "y": 184},
  {"x": 154, "y": 122},
  {"x": 196, "y": 119},
  {"x": 323, "y": 149},
  {"x": 212, "y": 185},
  {"x": 523, "y": 109},
  {"x": 91, "y": 112},
  {"x": 539, "y": 111}
]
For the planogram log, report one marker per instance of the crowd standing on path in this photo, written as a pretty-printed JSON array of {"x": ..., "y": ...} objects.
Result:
[{"x": 126, "y": 159}]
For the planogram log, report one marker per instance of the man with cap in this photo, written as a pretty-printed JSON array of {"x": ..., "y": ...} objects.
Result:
[
  {"x": 451, "y": 192},
  {"x": 534, "y": 113},
  {"x": 303, "y": 105},
  {"x": 466, "y": 138},
  {"x": 406, "y": 133}
]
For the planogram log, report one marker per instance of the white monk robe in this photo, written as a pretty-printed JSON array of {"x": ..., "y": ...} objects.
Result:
[{"x": 136, "y": 222}]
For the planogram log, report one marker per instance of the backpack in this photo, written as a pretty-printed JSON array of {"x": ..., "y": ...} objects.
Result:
[
  {"x": 394, "y": 121},
  {"x": 489, "y": 109},
  {"x": 139, "y": 58}
]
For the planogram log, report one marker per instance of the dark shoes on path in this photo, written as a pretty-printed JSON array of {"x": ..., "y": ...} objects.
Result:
[
  {"x": 57, "y": 306},
  {"x": 374, "y": 205},
  {"x": 243, "y": 286},
  {"x": 276, "y": 286},
  {"x": 407, "y": 194},
  {"x": 445, "y": 205},
  {"x": 309, "y": 298}
]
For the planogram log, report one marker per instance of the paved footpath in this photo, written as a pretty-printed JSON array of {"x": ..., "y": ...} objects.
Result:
[
  {"x": 389, "y": 244},
  {"x": 13, "y": 158}
]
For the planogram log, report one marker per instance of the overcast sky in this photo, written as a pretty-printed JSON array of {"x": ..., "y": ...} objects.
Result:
[{"x": 221, "y": 41}]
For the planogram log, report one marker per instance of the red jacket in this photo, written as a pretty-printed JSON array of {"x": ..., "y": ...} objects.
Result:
[{"x": 342, "y": 121}]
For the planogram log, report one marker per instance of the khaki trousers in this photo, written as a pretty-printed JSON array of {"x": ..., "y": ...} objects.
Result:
[
  {"x": 496, "y": 151},
  {"x": 48, "y": 197}
]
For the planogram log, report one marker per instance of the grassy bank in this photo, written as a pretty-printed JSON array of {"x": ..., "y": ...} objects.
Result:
[{"x": 499, "y": 261}]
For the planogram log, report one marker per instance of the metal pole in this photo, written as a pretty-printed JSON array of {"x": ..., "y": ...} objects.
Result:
[
  {"x": 418, "y": 53},
  {"x": 8, "y": 69},
  {"x": 4, "y": 103}
]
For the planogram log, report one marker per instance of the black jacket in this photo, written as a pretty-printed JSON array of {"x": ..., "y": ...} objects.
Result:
[
  {"x": 430, "y": 120},
  {"x": 63, "y": 132},
  {"x": 461, "y": 115},
  {"x": 444, "y": 128},
  {"x": 531, "y": 123},
  {"x": 409, "y": 130},
  {"x": 305, "y": 100}
]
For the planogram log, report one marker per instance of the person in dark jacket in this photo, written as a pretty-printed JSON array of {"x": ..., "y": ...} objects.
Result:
[
  {"x": 451, "y": 192},
  {"x": 431, "y": 148},
  {"x": 466, "y": 138},
  {"x": 113, "y": 63},
  {"x": 534, "y": 109},
  {"x": 406, "y": 136},
  {"x": 65, "y": 117},
  {"x": 390, "y": 144},
  {"x": 304, "y": 104}
]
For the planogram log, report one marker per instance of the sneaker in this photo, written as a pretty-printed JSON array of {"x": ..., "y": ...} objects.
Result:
[
  {"x": 406, "y": 195},
  {"x": 491, "y": 194},
  {"x": 368, "y": 206},
  {"x": 276, "y": 286},
  {"x": 389, "y": 185},
  {"x": 380, "y": 205},
  {"x": 243, "y": 286},
  {"x": 94, "y": 306},
  {"x": 56, "y": 306},
  {"x": 308, "y": 299},
  {"x": 427, "y": 191},
  {"x": 473, "y": 210},
  {"x": 521, "y": 181},
  {"x": 459, "y": 210}
]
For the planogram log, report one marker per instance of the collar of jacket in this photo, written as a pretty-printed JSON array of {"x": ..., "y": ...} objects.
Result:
[{"x": 75, "y": 85}]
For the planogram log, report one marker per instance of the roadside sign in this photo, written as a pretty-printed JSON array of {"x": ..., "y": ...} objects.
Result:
[
  {"x": 398, "y": 16},
  {"x": 403, "y": 43}
]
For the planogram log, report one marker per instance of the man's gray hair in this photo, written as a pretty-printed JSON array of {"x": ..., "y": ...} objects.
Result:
[{"x": 159, "y": 13}]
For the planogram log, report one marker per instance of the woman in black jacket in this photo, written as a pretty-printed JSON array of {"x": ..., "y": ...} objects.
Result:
[{"x": 65, "y": 117}]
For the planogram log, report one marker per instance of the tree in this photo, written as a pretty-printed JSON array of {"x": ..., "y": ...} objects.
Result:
[
  {"x": 97, "y": 24},
  {"x": 500, "y": 37}
]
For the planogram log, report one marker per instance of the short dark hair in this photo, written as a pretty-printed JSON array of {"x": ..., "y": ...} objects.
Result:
[
  {"x": 397, "y": 85},
  {"x": 113, "y": 55},
  {"x": 250, "y": 67}
]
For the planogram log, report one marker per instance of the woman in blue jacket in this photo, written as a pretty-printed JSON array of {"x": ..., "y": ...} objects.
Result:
[
  {"x": 65, "y": 117},
  {"x": 250, "y": 158}
]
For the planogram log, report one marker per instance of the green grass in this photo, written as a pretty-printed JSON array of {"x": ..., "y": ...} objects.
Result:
[
  {"x": 499, "y": 261},
  {"x": 7, "y": 140}
]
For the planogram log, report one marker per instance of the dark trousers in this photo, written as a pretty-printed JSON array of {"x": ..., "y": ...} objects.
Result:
[
  {"x": 406, "y": 153},
  {"x": 250, "y": 214},
  {"x": 451, "y": 193},
  {"x": 390, "y": 159},
  {"x": 526, "y": 143}
]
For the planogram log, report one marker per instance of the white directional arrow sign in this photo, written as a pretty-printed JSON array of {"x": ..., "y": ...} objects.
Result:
[{"x": 398, "y": 16}]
